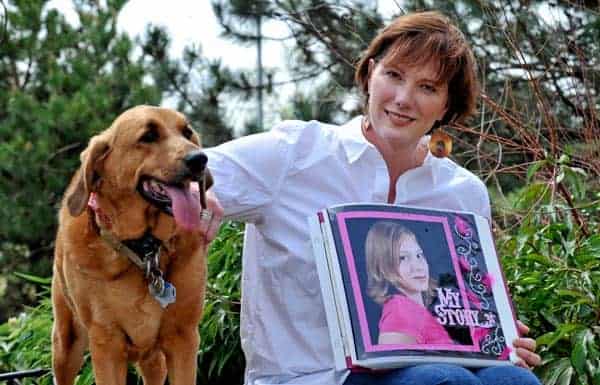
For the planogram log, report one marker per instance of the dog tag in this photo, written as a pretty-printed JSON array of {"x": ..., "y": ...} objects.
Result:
[{"x": 165, "y": 296}]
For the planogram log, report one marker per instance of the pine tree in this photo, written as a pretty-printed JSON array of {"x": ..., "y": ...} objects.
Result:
[
  {"x": 59, "y": 85},
  {"x": 324, "y": 38}
]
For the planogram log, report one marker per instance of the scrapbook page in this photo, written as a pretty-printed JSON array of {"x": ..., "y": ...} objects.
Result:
[{"x": 405, "y": 285}]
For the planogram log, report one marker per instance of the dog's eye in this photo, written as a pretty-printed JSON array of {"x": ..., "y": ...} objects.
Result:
[
  {"x": 151, "y": 134},
  {"x": 187, "y": 133}
]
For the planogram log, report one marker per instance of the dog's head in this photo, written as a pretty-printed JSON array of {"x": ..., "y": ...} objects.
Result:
[{"x": 148, "y": 157}]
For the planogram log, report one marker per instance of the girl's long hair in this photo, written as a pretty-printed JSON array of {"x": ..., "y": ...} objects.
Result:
[{"x": 383, "y": 258}]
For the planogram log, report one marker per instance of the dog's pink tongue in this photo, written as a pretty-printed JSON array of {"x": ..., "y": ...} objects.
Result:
[{"x": 186, "y": 206}]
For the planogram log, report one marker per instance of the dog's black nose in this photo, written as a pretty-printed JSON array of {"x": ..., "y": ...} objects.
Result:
[{"x": 195, "y": 161}]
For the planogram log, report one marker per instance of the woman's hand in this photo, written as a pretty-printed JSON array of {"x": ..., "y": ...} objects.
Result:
[
  {"x": 210, "y": 218},
  {"x": 525, "y": 348}
]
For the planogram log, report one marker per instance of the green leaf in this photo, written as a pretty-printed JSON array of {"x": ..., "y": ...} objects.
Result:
[
  {"x": 551, "y": 372},
  {"x": 549, "y": 339},
  {"x": 574, "y": 294},
  {"x": 550, "y": 317},
  {"x": 534, "y": 167},
  {"x": 596, "y": 377},
  {"x": 539, "y": 258},
  {"x": 34, "y": 279},
  {"x": 565, "y": 377},
  {"x": 576, "y": 180},
  {"x": 592, "y": 246},
  {"x": 579, "y": 171},
  {"x": 580, "y": 351},
  {"x": 532, "y": 195},
  {"x": 564, "y": 159}
]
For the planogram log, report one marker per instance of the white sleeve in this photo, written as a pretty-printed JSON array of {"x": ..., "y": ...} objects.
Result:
[
  {"x": 486, "y": 209},
  {"x": 482, "y": 203},
  {"x": 248, "y": 171}
]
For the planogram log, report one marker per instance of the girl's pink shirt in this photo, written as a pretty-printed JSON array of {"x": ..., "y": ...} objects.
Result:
[{"x": 402, "y": 315}]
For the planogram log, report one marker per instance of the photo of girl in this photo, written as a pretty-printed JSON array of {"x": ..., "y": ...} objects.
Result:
[{"x": 399, "y": 281}]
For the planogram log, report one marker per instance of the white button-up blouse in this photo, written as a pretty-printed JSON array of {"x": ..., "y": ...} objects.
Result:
[{"x": 273, "y": 181}]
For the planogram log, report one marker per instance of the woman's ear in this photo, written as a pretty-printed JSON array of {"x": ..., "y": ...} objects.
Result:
[
  {"x": 370, "y": 70},
  {"x": 371, "y": 66}
]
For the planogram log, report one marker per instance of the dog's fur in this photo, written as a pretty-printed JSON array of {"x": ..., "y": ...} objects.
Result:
[{"x": 100, "y": 299}]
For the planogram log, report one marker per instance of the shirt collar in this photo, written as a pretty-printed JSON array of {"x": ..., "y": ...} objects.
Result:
[{"x": 354, "y": 142}]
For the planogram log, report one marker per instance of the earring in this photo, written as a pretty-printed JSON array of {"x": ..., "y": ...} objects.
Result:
[{"x": 440, "y": 143}]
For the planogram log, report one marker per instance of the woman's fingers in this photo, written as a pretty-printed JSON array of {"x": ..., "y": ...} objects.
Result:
[
  {"x": 211, "y": 217},
  {"x": 522, "y": 328},
  {"x": 525, "y": 349}
]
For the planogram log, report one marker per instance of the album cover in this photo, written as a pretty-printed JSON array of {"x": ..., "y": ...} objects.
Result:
[{"x": 405, "y": 285}]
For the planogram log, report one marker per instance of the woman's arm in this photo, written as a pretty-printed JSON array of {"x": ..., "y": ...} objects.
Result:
[{"x": 249, "y": 171}]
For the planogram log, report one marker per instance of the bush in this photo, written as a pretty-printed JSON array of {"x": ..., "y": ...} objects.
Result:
[
  {"x": 552, "y": 264},
  {"x": 25, "y": 340}
]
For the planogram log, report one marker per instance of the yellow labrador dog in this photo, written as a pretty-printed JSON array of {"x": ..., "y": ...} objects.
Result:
[{"x": 129, "y": 267}]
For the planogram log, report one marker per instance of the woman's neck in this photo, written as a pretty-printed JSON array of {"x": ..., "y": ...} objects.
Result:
[{"x": 398, "y": 157}]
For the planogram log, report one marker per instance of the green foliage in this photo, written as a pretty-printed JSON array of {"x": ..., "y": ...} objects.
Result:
[
  {"x": 25, "y": 339},
  {"x": 321, "y": 105},
  {"x": 553, "y": 268},
  {"x": 323, "y": 41},
  {"x": 220, "y": 360},
  {"x": 15, "y": 258},
  {"x": 59, "y": 85},
  {"x": 197, "y": 83}
]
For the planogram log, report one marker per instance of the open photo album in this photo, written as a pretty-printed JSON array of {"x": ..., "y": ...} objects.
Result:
[{"x": 404, "y": 285}]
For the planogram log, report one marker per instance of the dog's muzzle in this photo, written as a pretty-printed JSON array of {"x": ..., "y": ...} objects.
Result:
[{"x": 195, "y": 161}]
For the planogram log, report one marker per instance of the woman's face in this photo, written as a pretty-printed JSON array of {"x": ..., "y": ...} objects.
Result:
[
  {"x": 404, "y": 101},
  {"x": 413, "y": 271}
]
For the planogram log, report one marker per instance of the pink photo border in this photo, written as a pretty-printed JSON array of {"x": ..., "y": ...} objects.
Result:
[{"x": 362, "y": 315}]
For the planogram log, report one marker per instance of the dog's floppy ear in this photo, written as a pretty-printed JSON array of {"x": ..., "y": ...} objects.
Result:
[{"x": 77, "y": 197}]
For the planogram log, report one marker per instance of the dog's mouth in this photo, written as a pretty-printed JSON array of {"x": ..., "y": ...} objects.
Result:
[{"x": 182, "y": 201}]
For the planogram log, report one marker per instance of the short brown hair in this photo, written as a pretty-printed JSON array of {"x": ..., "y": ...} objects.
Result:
[{"x": 425, "y": 37}]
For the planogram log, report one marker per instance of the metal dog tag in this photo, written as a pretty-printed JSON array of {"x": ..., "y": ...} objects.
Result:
[{"x": 163, "y": 291}]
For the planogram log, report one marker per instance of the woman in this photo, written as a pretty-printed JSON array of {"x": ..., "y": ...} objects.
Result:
[
  {"x": 274, "y": 180},
  {"x": 399, "y": 280}
]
